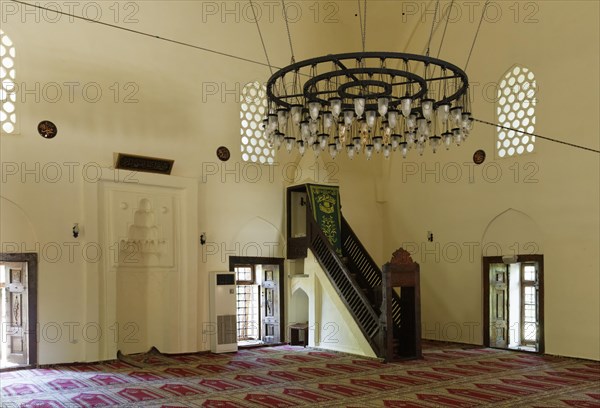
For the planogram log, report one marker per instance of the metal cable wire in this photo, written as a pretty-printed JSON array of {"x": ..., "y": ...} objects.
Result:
[
  {"x": 287, "y": 26},
  {"x": 437, "y": 3},
  {"x": 445, "y": 28},
  {"x": 362, "y": 32},
  {"x": 261, "y": 37},
  {"x": 476, "y": 33},
  {"x": 536, "y": 135},
  {"x": 169, "y": 40}
]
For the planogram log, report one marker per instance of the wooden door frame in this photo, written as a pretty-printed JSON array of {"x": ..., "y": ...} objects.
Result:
[
  {"x": 486, "y": 261},
  {"x": 257, "y": 260},
  {"x": 31, "y": 259}
]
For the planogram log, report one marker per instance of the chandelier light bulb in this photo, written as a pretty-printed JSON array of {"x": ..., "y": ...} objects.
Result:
[
  {"x": 382, "y": 105},
  {"x": 327, "y": 120},
  {"x": 406, "y": 105},
  {"x": 395, "y": 141},
  {"x": 323, "y": 138},
  {"x": 447, "y": 139},
  {"x": 301, "y": 147},
  {"x": 362, "y": 126},
  {"x": 371, "y": 115},
  {"x": 317, "y": 150},
  {"x": 289, "y": 143},
  {"x": 338, "y": 143},
  {"x": 387, "y": 130},
  {"x": 434, "y": 142},
  {"x": 282, "y": 118},
  {"x": 411, "y": 122},
  {"x": 313, "y": 109},
  {"x": 296, "y": 112},
  {"x": 278, "y": 140},
  {"x": 333, "y": 150},
  {"x": 470, "y": 124},
  {"x": 313, "y": 126},
  {"x": 350, "y": 151},
  {"x": 387, "y": 149},
  {"x": 457, "y": 136},
  {"x": 392, "y": 117},
  {"x": 357, "y": 143},
  {"x": 404, "y": 149},
  {"x": 443, "y": 111},
  {"x": 272, "y": 122},
  {"x": 378, "y": 143},
  {"x": 427, "y": 108},
  {"x": 336, "y": 106},
  {"x": 348, "y": 117},
  {"x": 410, "y": 138},
  {"x": 456, "y": 115},
  {"x": 304, "y": 129},
  {"x": 420, "y": 148},
  {"x": 369, "y": 151},
  {"x": 359, "y": 106},
  {"x": 422, "y": 125}
]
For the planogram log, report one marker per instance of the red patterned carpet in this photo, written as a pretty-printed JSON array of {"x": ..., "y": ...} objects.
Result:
[{"x": 449, "y": 376}]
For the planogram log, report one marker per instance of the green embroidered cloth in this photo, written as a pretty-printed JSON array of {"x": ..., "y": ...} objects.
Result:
[{"x": 325, "y": 203}]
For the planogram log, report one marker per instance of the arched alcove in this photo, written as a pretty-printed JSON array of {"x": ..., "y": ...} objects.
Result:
[
  {"x": 16, "y": 231},
  {"x": 512, "y": 232},
  {"x": 259, "y": 237},
  {"x": 298, "y": 309}
]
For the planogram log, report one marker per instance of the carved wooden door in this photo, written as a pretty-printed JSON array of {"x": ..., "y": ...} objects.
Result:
[
  {"x": 13, "y": 281},
  {"x": 270, "y": 307},
  {"x": 498, "y": 305}
]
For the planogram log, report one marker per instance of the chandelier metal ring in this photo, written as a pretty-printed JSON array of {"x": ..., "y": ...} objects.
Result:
[
  {"x": 342, "y": 60},
  {"x": 368, "y": 102}
]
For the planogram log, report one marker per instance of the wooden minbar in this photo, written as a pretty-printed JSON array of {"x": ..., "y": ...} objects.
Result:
[{"x": 403, "y": 341}]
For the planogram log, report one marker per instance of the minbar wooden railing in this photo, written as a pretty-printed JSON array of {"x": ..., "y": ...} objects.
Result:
[
  {"x": 347, "y": 288},
  {"x": 388, "y": 319}
]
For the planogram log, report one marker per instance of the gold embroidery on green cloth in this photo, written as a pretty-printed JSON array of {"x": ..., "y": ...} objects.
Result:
[{"x": 325, "y": 203}]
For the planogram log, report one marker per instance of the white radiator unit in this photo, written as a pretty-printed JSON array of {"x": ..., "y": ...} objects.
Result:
[{"x": 223, "y": 313}]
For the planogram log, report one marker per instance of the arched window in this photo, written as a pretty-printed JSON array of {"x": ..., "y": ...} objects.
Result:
[
  {"x": 8, "y": 97},
  {"x": 255, "y": 146},
  {"x": 516, "y": 110}
]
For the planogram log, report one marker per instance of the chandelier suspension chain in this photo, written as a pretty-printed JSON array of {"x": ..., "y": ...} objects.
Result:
[
  {"x": 287, "y": 26},
  {"x": 476, "y": 34},
  {"x": 362, "y": 31},
  {"x": 445, "y": 28},
  {"x": 437, "y": 3},
  {"x": 261, "y": 37},
  {"x": 485, "y": 122},
  {"x": 364, "y": 36}
]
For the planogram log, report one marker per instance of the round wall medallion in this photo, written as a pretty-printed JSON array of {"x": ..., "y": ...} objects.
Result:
[
  {"x": 47, "y": 129},
  {"x": 479, "y": 157},
  {"x": 223, "y": 153}
]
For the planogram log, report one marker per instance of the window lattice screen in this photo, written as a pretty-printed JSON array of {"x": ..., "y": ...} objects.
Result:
[
  {"x": 8, "y": 97},
  {"x": 255, "y": 147},
  {"x": 516, "y": 109}
]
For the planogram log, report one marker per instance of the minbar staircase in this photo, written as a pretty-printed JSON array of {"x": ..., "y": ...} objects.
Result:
[{"x": 389, "y": 322}]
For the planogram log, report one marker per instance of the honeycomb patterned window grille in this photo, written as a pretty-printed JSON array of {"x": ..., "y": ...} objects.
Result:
[
  {"x": 8, "y": 97},
  {"x": 255, "y": 146},
  {"x": 516, "y": 109}
]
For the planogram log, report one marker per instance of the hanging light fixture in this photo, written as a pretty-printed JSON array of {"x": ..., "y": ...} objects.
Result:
[{"x": 358, "y": 101}]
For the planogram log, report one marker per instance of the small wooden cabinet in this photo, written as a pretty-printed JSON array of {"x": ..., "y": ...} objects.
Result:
[{"x": 299, "y": 334}]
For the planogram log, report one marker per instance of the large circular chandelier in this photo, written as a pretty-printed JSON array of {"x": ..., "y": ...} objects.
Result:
[{"x": 368, "y": 102}]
